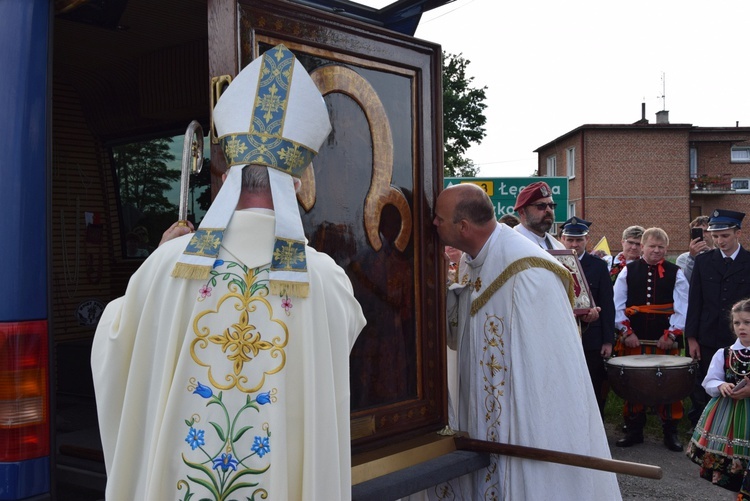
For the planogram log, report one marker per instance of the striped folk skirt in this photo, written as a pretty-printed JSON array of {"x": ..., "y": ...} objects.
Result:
[{"x": 720, "y": 444}]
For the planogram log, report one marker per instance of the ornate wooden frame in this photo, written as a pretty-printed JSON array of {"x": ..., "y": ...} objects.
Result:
[{"x": 372, "y": 210}]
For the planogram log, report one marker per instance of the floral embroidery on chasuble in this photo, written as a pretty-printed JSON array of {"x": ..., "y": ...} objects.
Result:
[
  {"x": 237, "y": 357},
  {"x": 492, "y": 369}
]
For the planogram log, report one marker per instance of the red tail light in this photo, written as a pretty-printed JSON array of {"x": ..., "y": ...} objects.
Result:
[{"x": 24, "y": 391}]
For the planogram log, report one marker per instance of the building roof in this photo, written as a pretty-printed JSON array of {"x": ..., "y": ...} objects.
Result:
[
  {"x": 635, "y": 126},
  {"x": 724, "y": 131}
]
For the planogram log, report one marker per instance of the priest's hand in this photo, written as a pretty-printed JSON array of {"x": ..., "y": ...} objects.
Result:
[{"x": 176, "y": 230}]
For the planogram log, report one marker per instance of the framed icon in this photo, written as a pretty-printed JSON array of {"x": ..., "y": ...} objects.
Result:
[{"x": 583, "y": 299}]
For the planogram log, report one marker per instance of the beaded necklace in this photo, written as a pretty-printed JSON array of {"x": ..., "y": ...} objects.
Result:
[{"x": 739, "y": 362}]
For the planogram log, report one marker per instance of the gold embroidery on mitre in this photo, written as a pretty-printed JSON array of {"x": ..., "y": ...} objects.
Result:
[
  {"x": 271, "y": 103},
  {"x": 243, "y": 342},
  {"x": 234, "y": 147}
]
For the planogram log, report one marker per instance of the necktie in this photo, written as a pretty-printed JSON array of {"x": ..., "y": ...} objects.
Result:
[{"x": 727, "y": 262}]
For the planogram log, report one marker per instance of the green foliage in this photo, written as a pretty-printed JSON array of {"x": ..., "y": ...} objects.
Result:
[
  {"x": 145, "y": 176},
  {"x": 463, "y": 116}
]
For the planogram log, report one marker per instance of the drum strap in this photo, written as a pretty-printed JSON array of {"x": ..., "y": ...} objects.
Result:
[{"x": 658, "y": 309}]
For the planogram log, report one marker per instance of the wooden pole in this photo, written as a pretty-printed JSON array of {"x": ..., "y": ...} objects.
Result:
[{"x": 595, "y": 463}]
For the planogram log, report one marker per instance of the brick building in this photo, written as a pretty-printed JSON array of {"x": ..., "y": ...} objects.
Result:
[{"x": 659, "y": 174}]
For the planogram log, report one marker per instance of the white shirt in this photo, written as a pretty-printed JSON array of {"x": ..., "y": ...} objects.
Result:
[
  {"x": 715, "y": 375},
  {"x": 547, "y": 242}
]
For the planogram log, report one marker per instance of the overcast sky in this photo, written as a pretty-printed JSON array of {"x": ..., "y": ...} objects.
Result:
[{"x": 551, "y": 66}]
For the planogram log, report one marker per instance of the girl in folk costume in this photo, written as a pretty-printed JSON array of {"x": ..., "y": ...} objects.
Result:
[{"x": 721, "y": 440}]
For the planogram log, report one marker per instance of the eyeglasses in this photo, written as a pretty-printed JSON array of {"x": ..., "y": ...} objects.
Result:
[
  {"x": 634, "y": 244},
  {"x": 543, "y": 206}
]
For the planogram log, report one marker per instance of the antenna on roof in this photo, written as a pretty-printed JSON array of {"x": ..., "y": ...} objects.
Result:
[{"x": 663, "y": 96}]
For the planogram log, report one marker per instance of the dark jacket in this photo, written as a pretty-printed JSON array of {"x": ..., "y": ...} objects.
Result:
[
  {"x": 597, "y": 275},
  {"x": 713, "y": 291}
]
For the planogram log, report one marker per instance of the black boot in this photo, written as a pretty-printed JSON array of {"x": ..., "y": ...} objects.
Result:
[
  {"x": 634, "y": 431},
  {"x": 670, "y": 436}
]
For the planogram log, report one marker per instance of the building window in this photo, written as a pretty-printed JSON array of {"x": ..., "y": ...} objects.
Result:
[
  {"x": 693, "y": 163},
  {"x": 552, "y": 166},
  {"x": 570, "y": 161},
  {"x": 571, "y": 209},
  {"x": 741, "y": 154}
]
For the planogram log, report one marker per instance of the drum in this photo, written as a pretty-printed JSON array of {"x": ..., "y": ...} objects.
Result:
[{"x": 652, "y": 379}]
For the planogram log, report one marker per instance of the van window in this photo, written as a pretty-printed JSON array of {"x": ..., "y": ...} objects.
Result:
[{"x": 148, "y": 174}]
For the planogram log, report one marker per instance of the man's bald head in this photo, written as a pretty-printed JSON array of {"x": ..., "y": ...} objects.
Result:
[
  {"x": 464, "y": 217},
  {"x": 472, "y": 203}
]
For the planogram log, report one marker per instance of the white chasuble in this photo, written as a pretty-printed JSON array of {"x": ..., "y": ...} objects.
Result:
[
  {"x": 217, "y": 389},
  {"x": 522, "y": 376}
]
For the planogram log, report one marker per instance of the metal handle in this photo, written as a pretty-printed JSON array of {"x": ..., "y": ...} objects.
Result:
[
  {"x": 218, "y": 85},
  {"x": 192, "y": 162}
]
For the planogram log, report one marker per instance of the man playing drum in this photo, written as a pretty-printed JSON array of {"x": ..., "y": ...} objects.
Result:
[{"x": 651, "y": 304}]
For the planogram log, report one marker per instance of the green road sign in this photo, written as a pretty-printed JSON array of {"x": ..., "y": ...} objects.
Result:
[{"x": 504, "y": 190}]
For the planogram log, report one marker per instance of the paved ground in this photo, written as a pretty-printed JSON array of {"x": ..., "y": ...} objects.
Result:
[{"x": 680, "y": 481}]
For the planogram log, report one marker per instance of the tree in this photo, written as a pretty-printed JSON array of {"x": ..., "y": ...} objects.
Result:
[
  {"x": 144, "y": 175},
  {"x": 463, "y": 117},
  {"x": 144, "y": 178}
]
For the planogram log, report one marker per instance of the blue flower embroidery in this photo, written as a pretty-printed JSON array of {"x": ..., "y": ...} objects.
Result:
[
  {"x": 203, "y": 391},
  {"x": 218, "y": 263},
  {"x": 195, "y": 438},
  {"x": 261, "y": 446},
  {"x": 225, "y": 462},
  {"x": 263, "y": 398}
]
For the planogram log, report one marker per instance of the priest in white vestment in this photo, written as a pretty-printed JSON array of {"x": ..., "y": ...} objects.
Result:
[
  {"x": 229, "y": 379},
  {"x": 522, "y": 374}
]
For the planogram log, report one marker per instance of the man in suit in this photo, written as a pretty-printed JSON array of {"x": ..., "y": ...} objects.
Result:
[
  {"x": 598, "y": 326},
  {"x": 721, "y": 277}
]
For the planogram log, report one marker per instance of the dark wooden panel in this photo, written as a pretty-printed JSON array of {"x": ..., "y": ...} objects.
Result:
[{"x": 375, "y": 182}]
